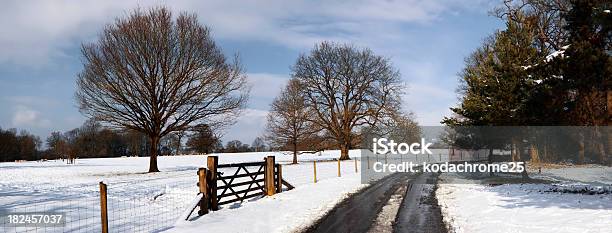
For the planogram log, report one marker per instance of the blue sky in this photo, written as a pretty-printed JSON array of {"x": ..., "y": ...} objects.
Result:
[{"x": 426, "y": 40}]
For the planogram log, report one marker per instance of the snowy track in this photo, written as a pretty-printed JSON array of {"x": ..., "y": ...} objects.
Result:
[{"x": 359, "y": 211}]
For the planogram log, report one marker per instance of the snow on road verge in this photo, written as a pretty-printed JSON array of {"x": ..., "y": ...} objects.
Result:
[
  {"x": 521, "y": 208},
  {"x": 285, "y": 212}
]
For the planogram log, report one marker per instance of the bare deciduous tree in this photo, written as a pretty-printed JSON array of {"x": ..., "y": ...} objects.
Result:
[
  {"x": 347, "y": 88},
  {"x": 543, "y": 15},
  {"x": 287, "y": 122},
  {"x": 258, "y": 144},
  {"x": 157, "y": 74}
]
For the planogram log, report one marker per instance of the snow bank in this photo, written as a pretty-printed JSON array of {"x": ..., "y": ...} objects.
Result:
[
  {"x": 596, "y": 175},
  {"x": 284, "y": 212},
  {"x": 521, "y": 208}
]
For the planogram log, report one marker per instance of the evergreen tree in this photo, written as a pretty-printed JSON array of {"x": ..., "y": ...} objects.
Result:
[{"x": 496, "y": 80}]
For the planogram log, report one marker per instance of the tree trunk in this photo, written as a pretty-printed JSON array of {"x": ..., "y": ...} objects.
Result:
[
  {"x": 599, "y": 142},
  {"x": 581, "y": 147},
  {"x": 344, "y": 152},
  {"x": 516, "y": 149},
  {"x": 178, "y": 146},
  {"x": 609, "y": 138},
  {"x": 295, "y": 153},
  {"x": 153, "y": 154},
  {"x": 524, "y": 174},
  {"x": 490, "y": 160},
  {"x": 533, "y": 153},
  {"x": 546, "y": 157}
]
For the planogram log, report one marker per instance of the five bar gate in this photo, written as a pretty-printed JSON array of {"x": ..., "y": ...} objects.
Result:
[{"x": 249, "y": 180}]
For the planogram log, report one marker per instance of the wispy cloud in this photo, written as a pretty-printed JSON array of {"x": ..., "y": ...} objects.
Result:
[
  {"x": 25, "y": 116},
  {"x": 264, "y": 87},
  {"x": 35, "y": 32},
  {"x": 250, "y": 124}
]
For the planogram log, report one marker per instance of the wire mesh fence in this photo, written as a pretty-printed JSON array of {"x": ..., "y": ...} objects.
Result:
[
  {"x": 78, "y": 214},
  {"x": 147, "y": 214},
  {"x": 130, "y": 209}
]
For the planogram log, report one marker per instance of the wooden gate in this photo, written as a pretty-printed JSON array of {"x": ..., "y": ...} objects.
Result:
[
  {"x": 231, "y": 187},
  {"x": 249, "y": 180}
]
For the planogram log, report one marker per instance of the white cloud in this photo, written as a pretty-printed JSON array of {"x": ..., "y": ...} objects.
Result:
[
  {"x": 264, "y": 87},
  {"x": 24, "y": 116},
  {"x": 252, "y": 121},
  {"x": 429, "y": 102},
  {"x": 249, "y": 125},
  {"x": 426, "y": 96},
  {"x": 35, "y": 32},
  {"x": 32, "y": 101}
]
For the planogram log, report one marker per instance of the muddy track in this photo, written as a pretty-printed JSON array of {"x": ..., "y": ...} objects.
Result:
[
  {"x": 418, "y": 212},
  {"x": 358, "y": 212}
]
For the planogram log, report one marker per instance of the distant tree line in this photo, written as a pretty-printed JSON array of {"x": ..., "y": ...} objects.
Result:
[
  {"x": 19, "y": 146},
  {"x": 94, "y": 140}
]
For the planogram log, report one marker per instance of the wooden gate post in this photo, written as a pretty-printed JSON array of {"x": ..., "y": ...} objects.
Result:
[
  {"x": 202, "y": 184},
  {"x": 103, "y": 207},
  {"x": 269, "y": 176},
  {"x": 314, "y": 167},
  {"x": 213, "y": 162},
  {"x": 338, "y": 167},
  {"x": 279, "y": 179}
]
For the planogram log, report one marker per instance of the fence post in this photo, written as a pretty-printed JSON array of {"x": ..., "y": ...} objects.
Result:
[
  {"x": 338, "y": 167},
  {"x": 279, "y": 179},
  {"x": 269, "y": 176},
  {"x": 103, "y": 208},
  {"x": 213, "y": 162},
  {"x": 202, "y": 176},
  {"x": 314, "y": 167}
]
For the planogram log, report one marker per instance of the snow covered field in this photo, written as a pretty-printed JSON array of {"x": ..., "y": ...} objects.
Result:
[
  {"x": 527, "y": 207},
  {"x": 585, "y": 174},
  {"x": 134, "y": 194}
]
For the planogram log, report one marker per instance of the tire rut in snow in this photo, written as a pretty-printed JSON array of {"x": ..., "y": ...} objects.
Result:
[
  {"x": 419, "y": 211},
  {"x": 360, "y": 210}
]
